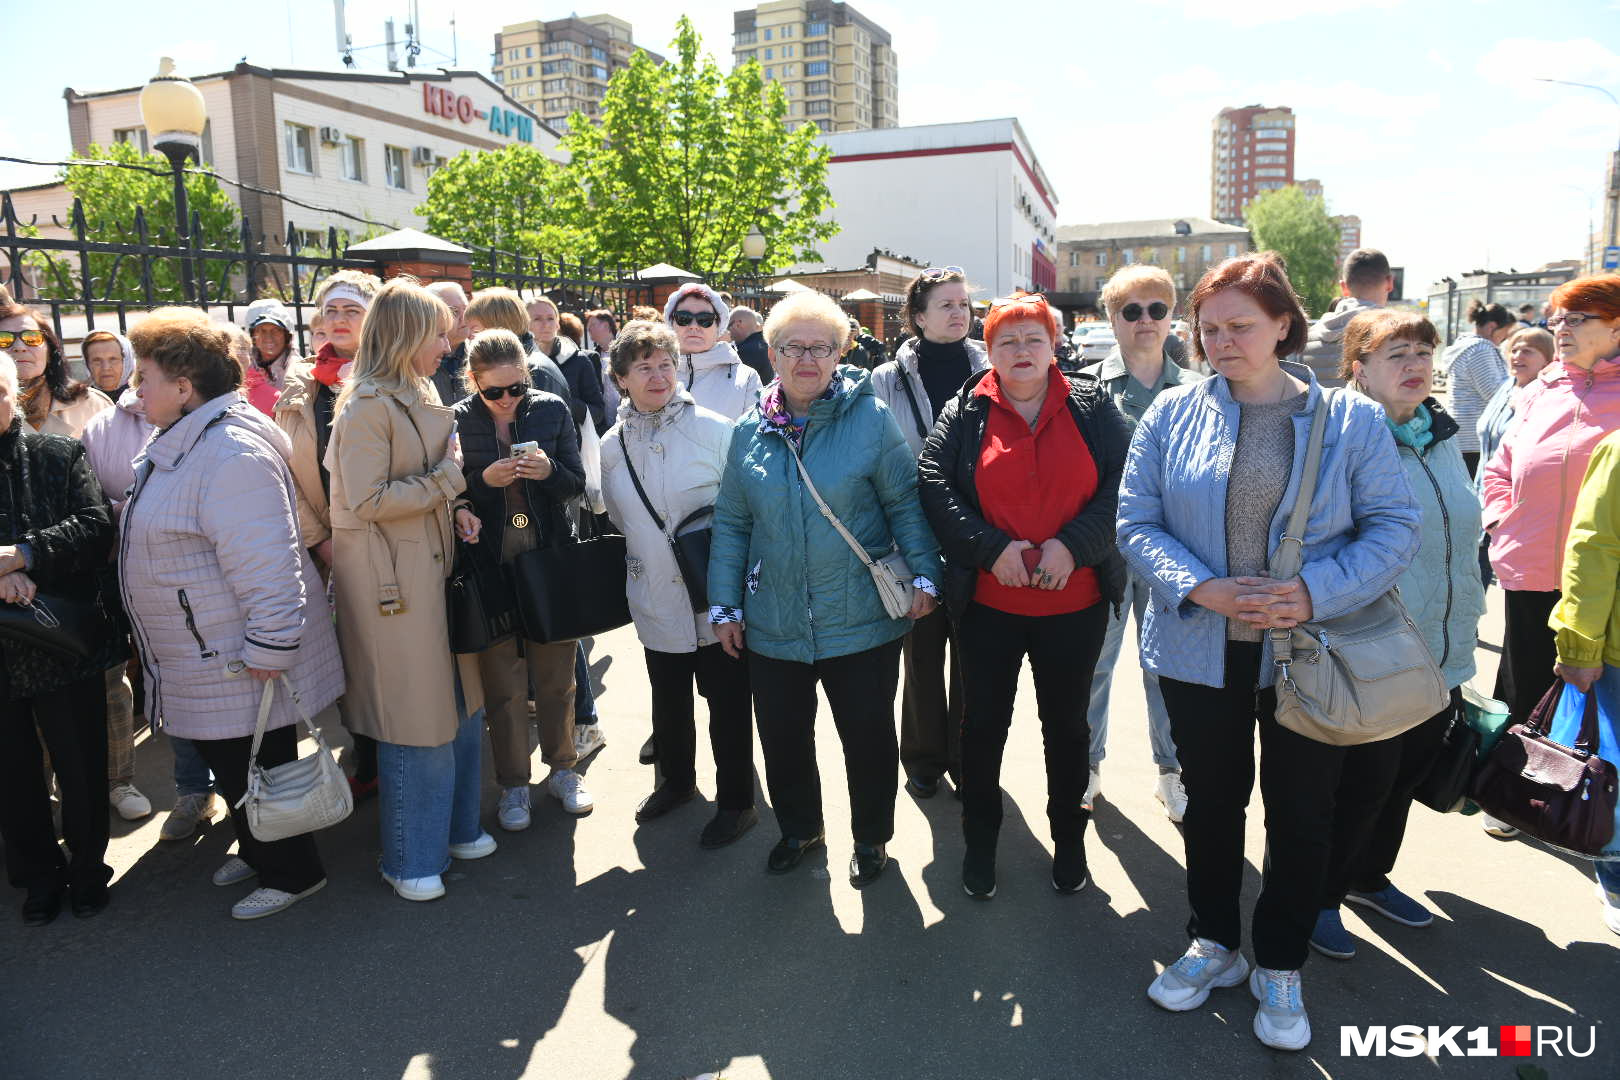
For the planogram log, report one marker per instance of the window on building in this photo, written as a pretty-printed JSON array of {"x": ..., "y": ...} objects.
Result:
[
  {"x": 1181, "y": 254},
  {"x": 817, "y": 86},
  {"x": 744, "y": 55},
  {"x": 1207, "y": 252},
  {"x": 1231, "y": 250},
  {"x": 1102, "y": 258},
  {"x": 1074, "y": 284},
  {"x": 353, "y": 153},
  {"x": 817, "y": 108},
  {"x": 394, "y": 166},
  {"x": 816, "y": 48},
  {"x": 770, "y": 73},
  {"x": 1074, "y": 258},
  {"x": 135, "y": 136},
  {"x": 767, "y": 33},
  {"x": 817, "y": 67},
  {"x": 1128, "y": 257},
  {"x": 1270, "y": 133},
  {"x": 787, "y": 31},
  {"x": 824, "y": 125},
  {"x": 528, "y": 52},
  {"x": 556, "y": 67},
  {"x": 746, "y": 37},
  {"x": 787, "y": 50},
  {"x": 770, "y": 54},
  {"x": 300, "y": 141},
  {"x": 1271, "y": 172},
  {"x": 1271, "y": 159},
  {"x": 788, "y": 70},
  {"x": 811, "y": 29}
]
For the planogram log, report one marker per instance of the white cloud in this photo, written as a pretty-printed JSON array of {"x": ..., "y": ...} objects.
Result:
[
  {"x": 1516, "y": 62},
  {"x": 1439, "y": 60},
  {"x": 1250, "y": 13}
]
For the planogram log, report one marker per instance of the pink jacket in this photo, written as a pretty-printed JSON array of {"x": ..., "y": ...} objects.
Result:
[{"x": 1530, "y": 484}]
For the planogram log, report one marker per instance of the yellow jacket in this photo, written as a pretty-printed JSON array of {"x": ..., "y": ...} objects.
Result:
[{"x": 1587, "y": 618}]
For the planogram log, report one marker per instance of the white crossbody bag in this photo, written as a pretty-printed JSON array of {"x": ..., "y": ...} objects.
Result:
[{"x": 301, "y": 796}]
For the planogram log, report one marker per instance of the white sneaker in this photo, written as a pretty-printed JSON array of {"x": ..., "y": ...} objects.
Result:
[
  {"x": 234, "y": 871},
  {"x": 417, "y": 888},
  {"x": 261, "y": 902},
  {"x": 189, "y": 812},
  {"x": 568, "y": 786},
  {"x": 1280, "y": 1022},
  {"x": 514, "y": 812},
  {"x": 474, "y": 849},
  {"x": 1497, "y": 828},
  {"x": 1173, "y": 795},
  {"x": 1093, "y": 788},
  {"x": 1611, "y": 910},
  {"x": 129, "y": 802},
  {"x": 1205, "y": 965},
  {"x": 588, "y": 739}
]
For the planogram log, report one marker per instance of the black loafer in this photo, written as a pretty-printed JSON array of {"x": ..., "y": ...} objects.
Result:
[
  {"x": 42, "y": 906},
  {"x": 726, "y": 826},
  {"x": 88, "y": 903},
  {"x": 649, "y": 752},
  {"x": 663, "y": 801},
  {"x": 790, "y": 851},
  {"x": 866, "y": 864},
  {"x": 922, "y": 787},
  {"x": 1069, "y": 868}
]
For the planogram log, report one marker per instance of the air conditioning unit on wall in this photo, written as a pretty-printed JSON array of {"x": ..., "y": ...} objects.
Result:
[
  {"x": 331, "y": 136},
  {"x": 422, "y": 155}
]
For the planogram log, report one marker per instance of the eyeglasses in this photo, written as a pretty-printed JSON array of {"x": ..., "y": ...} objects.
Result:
[
  {"x": 32, "y": 338},
  {"x": 1572, "y": 319},
  {"x": 934, "y": 273},
  {"x": 493, "y": 393},
  {"x": 1155, "y": 311},
  {"x": 793, "y": 352},
  {"x": 704, "y": 319}
]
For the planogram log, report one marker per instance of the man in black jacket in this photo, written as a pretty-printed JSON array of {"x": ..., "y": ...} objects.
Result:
[{"x": 750, "y": 343}]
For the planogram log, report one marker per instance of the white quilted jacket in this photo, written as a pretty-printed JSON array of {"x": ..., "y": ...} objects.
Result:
[{"x": 215, "y": 576}]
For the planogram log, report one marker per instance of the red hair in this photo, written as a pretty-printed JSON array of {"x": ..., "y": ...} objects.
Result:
[
  {"x": 1018, "y": 307},
  {"x": 1263, "y": 277},
  {"x": 1598, "y": 294}
]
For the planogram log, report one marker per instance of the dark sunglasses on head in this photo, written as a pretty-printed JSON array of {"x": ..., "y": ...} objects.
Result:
[
  {"x": 934, "y": 273},
  {"x": 32, "y": 338},
  {"x": 493, "y": 393},
  {"x": 1155, "y": 311},
  {"x": 704, "y": 319}
]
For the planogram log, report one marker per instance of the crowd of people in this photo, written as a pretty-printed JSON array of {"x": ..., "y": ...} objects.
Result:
[{"x": 250, "y": 536}]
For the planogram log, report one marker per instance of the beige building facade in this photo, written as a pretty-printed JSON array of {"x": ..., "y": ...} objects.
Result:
[
  {"x": 1185, "y": 247},
  {"x": 562, "y": 66},
  {"x": 837, "y": 67}
]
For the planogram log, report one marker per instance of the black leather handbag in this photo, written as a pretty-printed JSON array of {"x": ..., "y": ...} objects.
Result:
[
  {"x": 1444, "y": 787},
  {"x": 72, "y": 629},
  {"x": 478, "y": 603},
  {"x": 572, "y": 590},
  {"x": 689, "y": 545}
]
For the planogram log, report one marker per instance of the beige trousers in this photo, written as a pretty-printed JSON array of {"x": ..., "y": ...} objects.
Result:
[{"x": 506, "y": 676}]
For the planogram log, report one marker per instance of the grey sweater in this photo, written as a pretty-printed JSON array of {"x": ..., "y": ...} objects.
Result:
[{"x": 1261, "y": 465}]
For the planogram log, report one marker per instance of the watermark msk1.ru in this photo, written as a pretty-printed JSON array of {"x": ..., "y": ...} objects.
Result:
[{"x": 1511, "y": 1040}]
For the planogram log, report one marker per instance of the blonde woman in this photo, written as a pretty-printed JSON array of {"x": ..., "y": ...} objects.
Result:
[{"x": 394, "y": 485}]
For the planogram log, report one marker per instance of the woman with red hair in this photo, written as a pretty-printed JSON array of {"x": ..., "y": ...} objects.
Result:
[
  {"x": 1019, "y": 479},
  {"x": 1208, "y": 487}
]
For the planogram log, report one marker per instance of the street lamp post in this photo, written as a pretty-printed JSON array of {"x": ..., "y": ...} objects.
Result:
[
  {"x": 754, "y": 250},
  {"x": 1614, "y": 160},
  {"x": 174, "y": 114}
]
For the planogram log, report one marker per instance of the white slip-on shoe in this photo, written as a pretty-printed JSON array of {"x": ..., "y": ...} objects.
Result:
[
  {"x": 1172, "y": 795},
  {"x": 474, "y": 849},
  {"x": 417, "y": 888},
  {"x": 234, "y": 870},
  {"x": 261, "y": 902}
]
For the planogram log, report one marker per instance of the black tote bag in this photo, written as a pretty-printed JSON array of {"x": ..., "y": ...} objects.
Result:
[{"x": 573, "y": 590}]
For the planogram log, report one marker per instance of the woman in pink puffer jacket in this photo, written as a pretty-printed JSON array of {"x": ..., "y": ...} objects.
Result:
[{"x": 1531, "y": 482}]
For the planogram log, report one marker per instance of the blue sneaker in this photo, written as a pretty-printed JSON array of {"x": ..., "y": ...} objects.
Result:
[
  {"x": 1391, "y": 903},
  {"x": 1330, "y": 938}
]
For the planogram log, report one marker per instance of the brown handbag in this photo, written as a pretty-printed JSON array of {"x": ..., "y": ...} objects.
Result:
[{"x": 1561, "y": 795}]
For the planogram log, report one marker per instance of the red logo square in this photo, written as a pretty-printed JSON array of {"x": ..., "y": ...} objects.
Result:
[{"x": 1515, "y": 1040}]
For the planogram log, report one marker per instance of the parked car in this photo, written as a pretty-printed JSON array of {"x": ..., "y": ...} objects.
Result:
[{"x": 1096, "y": 344}]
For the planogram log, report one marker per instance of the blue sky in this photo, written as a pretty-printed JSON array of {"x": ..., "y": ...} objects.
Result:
[{"x": 1422, "y": 117}]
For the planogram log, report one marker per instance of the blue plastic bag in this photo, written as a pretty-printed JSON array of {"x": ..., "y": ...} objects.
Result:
[{"x": 1566, "y": 727}]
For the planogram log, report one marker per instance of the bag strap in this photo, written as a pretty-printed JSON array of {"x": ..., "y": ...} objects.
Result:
[
  {"x": 1285, "y": 561},
  {"x": 636, "y": 480},
  {"x": 265, "y": 701},
  {"x": 826, "y": 511},
  {"x": 911, "y": 397},
  {"x": 1540, "y": 720}
]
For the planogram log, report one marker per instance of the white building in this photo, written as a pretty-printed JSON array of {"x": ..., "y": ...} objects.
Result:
[
  {"x": 971, "y": 195},
  {"x": 361, "y": 142}
]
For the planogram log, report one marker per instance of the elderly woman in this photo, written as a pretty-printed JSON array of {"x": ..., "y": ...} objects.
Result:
[
  {"x": 661, "y": 463},
  {"x": 1475, "y": 370},
  {"x": 1388, "y": 355},
  {"x": 109, "y": 360},
  {"x": 56, "y": 534},
  {"x": 780, "y": 573},
  {"x": 1528, "y": 350},
  {"x": 1208, "y": 489},
  {"x": 395, "y": 479},
  {"x": 527, "y": 495},
  {"x": 304, "y": 412},
  {"x": 1139, "y": 301},
  {"x": 221, "y": 594},
  {"x": 1531, "y": 482},
  {"x": 710, "y": 369},
  {"x": 925, "y": 373},
  {"x": 1020, "y": 480},
  {"x": 271, "y": 325},
  {"x": 584, "y": 380}
]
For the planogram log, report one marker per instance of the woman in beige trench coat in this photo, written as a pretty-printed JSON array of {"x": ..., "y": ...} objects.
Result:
[{"x": 395, "y": 481}]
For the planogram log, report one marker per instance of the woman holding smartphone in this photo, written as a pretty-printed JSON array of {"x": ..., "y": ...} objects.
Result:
[{"x": 521, "y": 461}]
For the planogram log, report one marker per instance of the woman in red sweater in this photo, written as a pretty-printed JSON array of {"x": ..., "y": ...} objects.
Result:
[{"x": 1020, "y": 480}]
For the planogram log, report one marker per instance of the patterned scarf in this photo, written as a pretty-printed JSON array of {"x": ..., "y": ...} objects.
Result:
[
  {"x": 776, "y": 416},
  {"x": 1415, "y": 432}
]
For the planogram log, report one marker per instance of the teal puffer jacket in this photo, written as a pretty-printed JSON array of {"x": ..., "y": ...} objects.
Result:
[{"x": 803, "y": 593}]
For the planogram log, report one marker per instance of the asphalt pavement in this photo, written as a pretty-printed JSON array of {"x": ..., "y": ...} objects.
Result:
[{"x": 594, "y": 949}]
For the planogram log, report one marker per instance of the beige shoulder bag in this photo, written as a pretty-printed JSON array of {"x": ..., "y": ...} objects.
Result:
[{"x": 890, "y": 574}]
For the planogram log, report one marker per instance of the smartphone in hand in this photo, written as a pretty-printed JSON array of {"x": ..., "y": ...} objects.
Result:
[{"x": 525, "y": 449}]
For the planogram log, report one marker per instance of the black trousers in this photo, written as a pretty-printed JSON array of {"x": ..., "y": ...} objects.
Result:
[
  {"x": 1062, "y": 651},
  {"x": 291, "y": 865},
  {"x": 73, "y": 721},
  {"x": 931, "y": 701},
  {"x": 723, "y": 682},
  {"x": 860, "y": 688},
  {"x": 1529, "y": 650},
  {"x": 1471, "y": 462},
  {"x": 1373, "y": 802},
  {"x": 1214, "y": 731}
]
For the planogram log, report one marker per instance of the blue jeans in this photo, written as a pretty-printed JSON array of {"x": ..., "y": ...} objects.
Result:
[
  {"x": 191, "y": 775},
  {"x": 1137, "y": 597},
  {"x": 584, "y": 697},
  {"x": 428, "y": 798}
]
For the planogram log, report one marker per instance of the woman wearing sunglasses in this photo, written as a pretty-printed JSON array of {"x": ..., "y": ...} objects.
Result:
[
  {"x": 50, "y": 401},
  {"x": 523, "y": 499},
  {"x": 1139, "y": 301},
  {"x": 713, "y": 373},
  {"x": 926, "y": 372}
]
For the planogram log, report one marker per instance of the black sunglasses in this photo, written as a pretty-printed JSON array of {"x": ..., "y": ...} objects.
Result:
[
  {"x": 493, "y": 393},
  {"x": 1156, "y": 311},
  {"x": 704, "y": 319}
]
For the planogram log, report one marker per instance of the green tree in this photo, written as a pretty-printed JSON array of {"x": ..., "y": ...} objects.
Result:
[
  {"x": 501, "y": 199},
  {"x": 1297, "y": 227},
  {"x": 687, "y": 160},
  {"x": 111, "y": 196}
]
